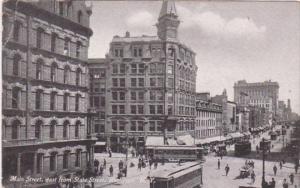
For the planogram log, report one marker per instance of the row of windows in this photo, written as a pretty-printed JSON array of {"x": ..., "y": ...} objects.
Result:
[
  {"x": 97, "y": 87},
  {"x": 40, "y": 70},
  {"x": 41, "y": 37},
  {"x": 186, "y": 111},
  {"x": 208, "y": 114},
  {"x": 186, "y": 126},
  {"x": 137, "y": 109},
  {"x": 187, "y": 86},
  {"x": 38, "y": 130},
  {"x": 207, "y": 133},
  {"x": 97, "y": 73},
  {"x": 187, "y": 99},
  {"x": 39, "y": 100},
  {"x": 205, "y": 123},
  {"x": 65, "y": 9},
  {"x": 97, "y": 101},
  {"x": 140, "y": 82},
  {"x": 136, "y": 126},
  {"x": 65, "y": 159}
]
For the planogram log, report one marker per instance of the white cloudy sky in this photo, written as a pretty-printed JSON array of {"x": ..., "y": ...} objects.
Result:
[{"x": 256, "y": 41}]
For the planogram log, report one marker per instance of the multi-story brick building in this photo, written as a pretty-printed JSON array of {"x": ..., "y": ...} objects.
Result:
[
  {"x": 208, "y": 119},
  {"x": 151, "y": 84},
  {"x": 262, "y": 94},
  {"x": 45, "y": 88},
  {"x": 97, "y": 70}
]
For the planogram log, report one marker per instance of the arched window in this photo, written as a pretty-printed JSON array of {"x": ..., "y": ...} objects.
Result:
[
  {"x": 53, "y": 101},
  {"x": 15, "y": 97},
  {"x": 65, "y": 129},
  {"x": 38, "y": 99},
  {"x": 39, "y": 69},
  {"x": 52, "y": 129},
  {"x": 37, "y": 130},
  {"x": 53, "y": 42},
  {"x": 78, "y": 76},
  {"x": 16, "y": 30},
  {"x": 66, "y": 74},
  {"x": 15, "y": 129},
  {"x": 78, "y": 49},
  {"x": 79, "y": 16},
  {"x": 66, "y": 102},
  {"x": 39, "y": 37},
  {"x": 77, "y": 102},
  {"x": 66, "y": 160},
  {"x": 77, "y": 127},
  {"x": 53, "y": 72},
  {"x": 16, "y": 61}
]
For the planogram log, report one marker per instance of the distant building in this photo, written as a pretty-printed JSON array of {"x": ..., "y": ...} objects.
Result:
[
  {"x": 262, "y": 94},
  {"x": 97, "y": 95},
  {"x": 151, "y": 85},
  {"x": 45, "y": 89},
  {"x": 229, "y": 121},
  {"x": 208, "y": 118}
]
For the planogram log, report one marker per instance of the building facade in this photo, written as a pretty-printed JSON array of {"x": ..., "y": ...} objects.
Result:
[
  {"x": 97, "y": 71},
  {"x": 151, "y": 85},
  {"x": 45, "y": 88},
  {"x": 208, "y": 119},
  {"x": 229, "y": 109},
  {"x": 262, "y": 94}
]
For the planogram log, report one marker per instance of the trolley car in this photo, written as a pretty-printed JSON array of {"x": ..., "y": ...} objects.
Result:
[{"x": 189, "y": 175}]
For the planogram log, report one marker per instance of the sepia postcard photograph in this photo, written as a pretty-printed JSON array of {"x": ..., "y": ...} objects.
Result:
[{"x": 150, "y": 94}]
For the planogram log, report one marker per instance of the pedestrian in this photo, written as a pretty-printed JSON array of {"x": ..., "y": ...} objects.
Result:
[
  {"x": 253, "y": 177},
  {"x": 227, "y": 169},
  {"x": 104, "y": 164},
  {"x": 292, "y": 178},
  {"x": 273, "y": 183},
  {"x": 111, "y": 170},
  {"x": 280, "y": 165},
  {"x": 219, "y": 163},
  {"x": 101, "y": 170},
  {"x": 155, "y": 164},
  {"x": 140, "y": 165},
  {"x": 296, "y": 168},
  {"x": 274, "y": 170},
  {"x": 125, "y": 171},
  {"x": 285, "y": 184},
  {"x": 96, "y": 165},
  {"x": 150, "y": 163},
  {"x": 120, "y": 165}
]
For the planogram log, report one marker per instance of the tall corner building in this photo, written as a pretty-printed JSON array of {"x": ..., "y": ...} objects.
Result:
[
  {"x": 150, "y": 85},
  {"x": 261, "y": 94},
  {"x": 45, "y": 89}
]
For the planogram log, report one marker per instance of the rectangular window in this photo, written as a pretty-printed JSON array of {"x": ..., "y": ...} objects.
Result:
[
  {"x": 141, "y": 109},
  {"x": 122, "y": 68},
  {"x": 133, "y": 82},
  {"x": 133, "y": 109},
  {"x": 96, "y": 101},
  {"x": 170, "y": 82},
  {"x": 65, "y": 102},
  {"x": 102, "y": 101},
  {"x": 38, "y": 100},
  {"x": 122, "y": 96},
  {"x": 121, "y": 126},
  {"x": 170, "y": 110},
  {"x": 141, "y": 68},
  {"x": 133, "y": 126},
  {"x": 152, "y": 68},
  {"x": 122, "y": 82},
  {"x": 140, "y": 126},
  {"x": 115, "y": 82},
  {"x": 160, "y": 82},
  {"x": 78, "y": 49},
  {"x": 114, "y": 125},
  {"x": 78, "y": 161},
  {"x": 159, "y": 126},
  {"x": 160, "y": 68},
  {"x": 135, "y": 52},
  {"x": 122, "y": 109},
  {"x": 152, "y": 82},
  {"x": 39, "y": 161},
  {"x": 160, "y": 109},
  {"x": 140, "y": 52},
  {"x": 170, "y": 97},
  {"x": 115, "y": 68},
  {"x": 114, "y": 95},
  {"x": 53, "y": 42},
  {"x": 133, "y": 68},
  {"x": 170, "y": 69},
  {"x": 52, "y": 160},
  {"x": 152, "y": 126},
  {"x": 65, "y": 160},
  {"x": 52, "y": 101},
  {"x": 67, "y": 46},
  {"x": 160, "y": 95},
  {"x": 141, "y": 82},
  {"x": 141, "y": 95},
  {"x": 152, "y": 95},
  {"x": 152, "y": 109},
  {"x": 114, "y": 109},
  {"x": 133, "y": 95},
  {"x": 61, "y": 8}
]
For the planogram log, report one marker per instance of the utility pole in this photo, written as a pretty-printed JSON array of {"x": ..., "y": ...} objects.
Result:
[{"x": 263, "y": 183}]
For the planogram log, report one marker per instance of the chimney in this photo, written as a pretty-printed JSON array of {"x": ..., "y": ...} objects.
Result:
[{"x": 127, "y": 34}]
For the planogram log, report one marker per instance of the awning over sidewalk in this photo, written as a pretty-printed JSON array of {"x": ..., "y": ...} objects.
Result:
[
  {"x": 236, "y": 135},
  {"x": 100, "y": 143},
  {"x": 210, "y": 140},
  {"x": 186, "y": 139},
  {"x": 247, "y": 133}
]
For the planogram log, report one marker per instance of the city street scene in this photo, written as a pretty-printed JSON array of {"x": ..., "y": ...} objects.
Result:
[{"x": 150, "y": 94}]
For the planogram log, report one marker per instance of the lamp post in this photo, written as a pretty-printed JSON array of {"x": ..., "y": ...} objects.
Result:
[{"x": 263, "y": 183}]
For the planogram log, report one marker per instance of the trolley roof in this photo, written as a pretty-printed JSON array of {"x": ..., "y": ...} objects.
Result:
[
  {"x": 177, "y": 171},
  {"x": 183, "y": 147}
]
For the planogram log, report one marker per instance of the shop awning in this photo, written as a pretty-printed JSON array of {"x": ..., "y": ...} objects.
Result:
[
  {"x": 100, "y": 143},
  {"x": 186, "y": 139},
  {"x": 236, "y": 135},
  {"x": 210, "y": 140}
]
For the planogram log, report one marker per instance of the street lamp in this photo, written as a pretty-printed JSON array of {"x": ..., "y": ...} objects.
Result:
[{"x": 263, "y": 183}]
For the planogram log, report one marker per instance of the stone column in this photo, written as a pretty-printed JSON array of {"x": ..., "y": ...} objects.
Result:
[{"x": 19, "y": 156}]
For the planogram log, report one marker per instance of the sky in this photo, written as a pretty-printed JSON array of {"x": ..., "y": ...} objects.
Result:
[{"x": 252, "y": 41}]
